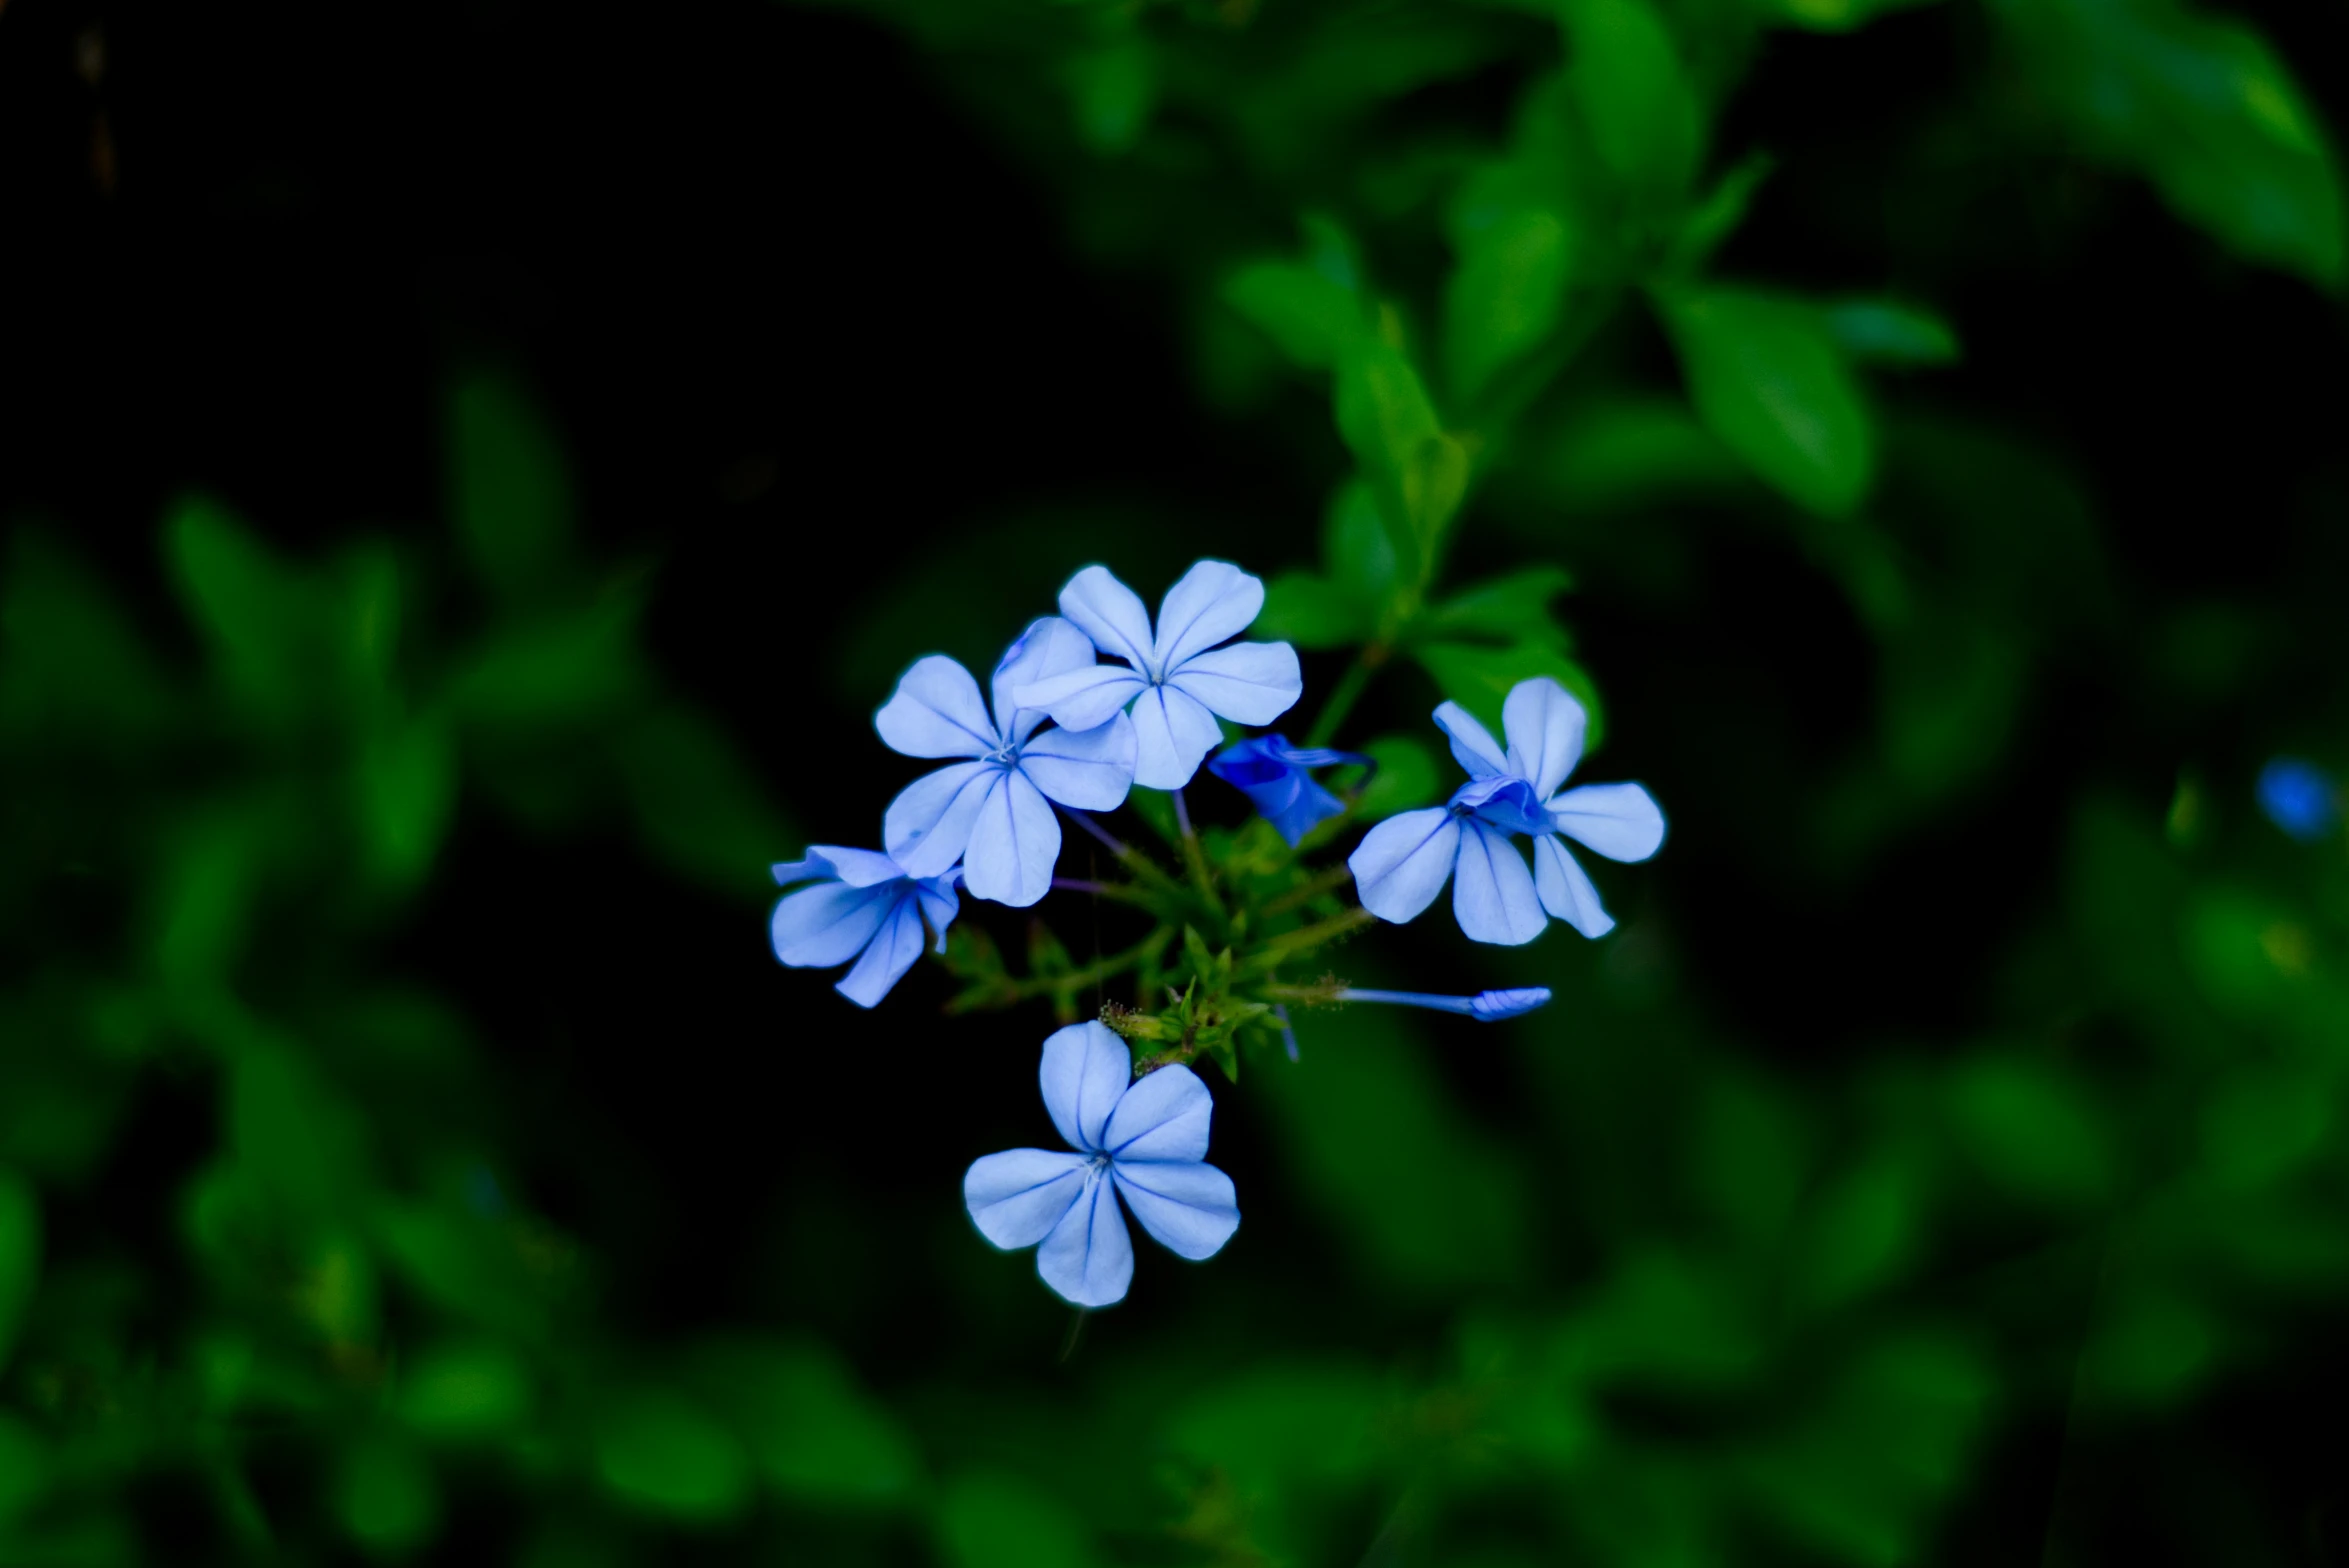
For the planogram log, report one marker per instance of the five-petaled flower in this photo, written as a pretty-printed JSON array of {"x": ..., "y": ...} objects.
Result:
[
  {"x": 1177, "y": 679},
  {"x": 1403, "y": 863},
  {"x": 993, "y": 813},
  {"x": 1273, "y": 775},
  {"x": 1145, "y": 1139},
  {"x": 861, "y": 905}
]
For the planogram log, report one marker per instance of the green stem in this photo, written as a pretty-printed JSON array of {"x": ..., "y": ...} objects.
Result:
[
  {"x": 1326, "y": 881},
  {"x": 1075, "y": 980},
  {"x": 1305, "y": 939}
]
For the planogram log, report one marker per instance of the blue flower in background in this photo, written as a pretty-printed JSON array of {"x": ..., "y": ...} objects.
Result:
[
  {"x": 1182, "y": 679},
  {"x": 1404, "y": 862},
  {"x": 994, "y": 813},
  {"x": 2298, "y": 797},
  {"x": 1272, "y": 773},
  {"x": 862, "y": 905},
  {"x": 1146, "y": 1139}
]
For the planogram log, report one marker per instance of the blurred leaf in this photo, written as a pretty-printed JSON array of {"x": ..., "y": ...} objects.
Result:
[
  {"x": 1670, "y": 1320},
  {"x": 558, "y": 669},
  {"x": 698, "y": 807},
  {"x": 262, "y": 620},
  {"x": 1634, "y": 94},
  {"x": 1312, "y": 612},
  {"x": 1891, "y": 334},
  {"x": 1748, "y": 1158},
  {"x": 1310, "y": 315},
  {"x": 1420, "y": 471},
  {"x": 1514, "y": 609},
  {"x": 71, "y": 665},
  {"x": 1274, "y": 1425},
  {"x": 2262, "y": 1125},
  {"x": 1775, "y": 389},
  {"x": 2151, "y": 1348},
  {"x": 2203, "y": 108},
  {"x": 386, "y": 1495},
  {"x": 1355, "y": 543},
  {"x": 1860, "y": 1230},
  {"x": 815, "y": 1434},
  {"x": 1621, "y": 454},
  {"x": 1831, "y": 16},
  {"x": 1111, "y": 91},
  {"x": 291, "y": 1133},
  {"x": 990, "y": 1520},
  {"x": 407, "y": 786},
  {"x": 24, "y": 1470},
  {"x": 204, "y": 895},
  {"x": 665, "y": 1454},
  {"x": 509, "y": 488},
  {"x": 1717, "y": 216},
  {"x": 1507, "y": 291},
  {"x": 2033, "y": 1133},
  {"x": 1479, "y": 678},
  {"x": 20, "y": 1258},
  {"x": 1407, "y": 777},
  {"x": 465, "y": 1389},
  {"x": 1386, "y": 1159}
]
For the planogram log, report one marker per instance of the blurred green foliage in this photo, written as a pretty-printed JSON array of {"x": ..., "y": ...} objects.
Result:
[{"x": 1661, "y": 1301}]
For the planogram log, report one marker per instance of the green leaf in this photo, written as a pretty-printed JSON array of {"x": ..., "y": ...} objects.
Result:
[
  {"x": 71, "y": 664},
  {"x": 386, "y": 1495},
  {"x": 1357, "y": 547},
  {"x": 1773, "y": 385},
  {"x": 698, "y": 806},
  {"x": 814, "y": 1434},
  {"x": 1635, "y": 96},
  {"x": 1717, "y": 216},
  {"x": 1479, "y": 678},
  {"x": 1508, "y": 290},
  {"x": 665, "y": 1454},
  {"x": 1406, "y": 778},
  {"x": 465, "y": 1389},
  {"x": 1620, "y": 454},
  {"x": 1421, "y": 473},
  {"x": 1891, "y": 334},
  {"x": 25, "y": 1467},
  {"x": 20, "y": 1255},
  {"x": 260, "y": 617},
  {"x": 1111, "y": 92},
  {"x": 2031, "y": 1131},
  {"x": 1312, "y": 612},
  {"x": 1830, "y": 16},
  {"x": 407, "y": 786},
  {"x": 509, "y": 487},
  {"x": 1515, "y": 608},
  {"x": 2203, "y": 108},
  {"x": 1309, "y": 315},
  {"x": 555, "y": 670},
  {"x": 990, "y": 1520}
]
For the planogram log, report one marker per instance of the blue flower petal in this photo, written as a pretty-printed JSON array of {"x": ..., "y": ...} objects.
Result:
[
  {"x": 1402, "y": 864},
  {"x": 1212, "y": 602},
  {"x": 1188, "y": 1208},
  {"x": 1173, "y": 734},
  {"x": 936, "y": 712},
  {"x": 1620, "y": 821},
  {"x": 1492, "y": 893},
  {"x": 827, "y": 924},
  {"x": 1164, "y": 1116},
  {"x": 1248, "y": 683},
  {"x": 1088, "y": 1258},
  {"x": 1014, "y": 843},
  {"x": 940, "y": 902},
  {"x": 813, "y": 866},
  {"x": 857, "y": 867},
  {"x": 1016, "y": 1197},
  {"x": 1049, "y": 647},
  {"x": 889, "y": 955},
  {"x": 929, "y": 824},
  {"x": 1566, "y": 890},
  {"x": 1085, "y": 1070},
  {"x": 1092, "y": 770},
  {"x": 1107, "y": 611},
  {"x": 1084, "y": 699},
  {"x": 1545, "y": 727},
  {"x": 1504, "y": 801},
  {"x": 1472, "y": 744},
  {"x": 1493, "y": 1006}
]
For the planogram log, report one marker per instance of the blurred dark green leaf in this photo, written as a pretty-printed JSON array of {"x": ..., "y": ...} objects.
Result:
[
  {"x": 1479, "y": 678},
  {"x": 663, "y": 1453},
  {"x": 509, "y": 488},
  {"x": 1775, "y": 388}
]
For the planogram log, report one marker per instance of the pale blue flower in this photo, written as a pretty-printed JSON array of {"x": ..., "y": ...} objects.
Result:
[
  {"x": 1177, "y": 679},
  {"x": 1404, "y": 862},
  {"x": 1486, "y": 1007},
  {"x": 994, "y": 813},
  {"x": 1273, "y": 775},
  {"x": 1146, "y": 1139},
  {"x": 2298, "y": 798},
  {"x": 860, "y": 905}
]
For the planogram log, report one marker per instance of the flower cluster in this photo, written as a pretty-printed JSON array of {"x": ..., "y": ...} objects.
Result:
[{"x": 1085, "y": 707}]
